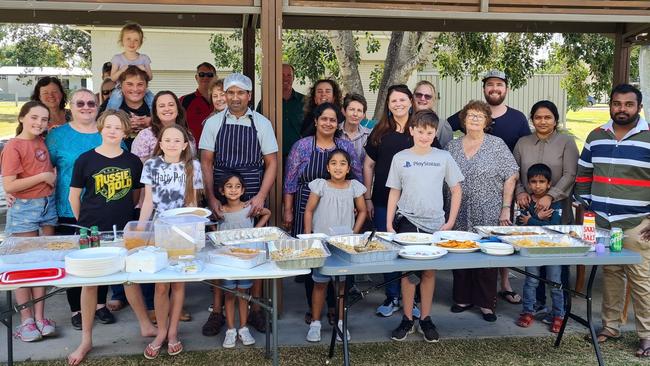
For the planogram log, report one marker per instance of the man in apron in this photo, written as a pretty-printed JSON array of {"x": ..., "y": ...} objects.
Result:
[{"x": 242, "y": 141}]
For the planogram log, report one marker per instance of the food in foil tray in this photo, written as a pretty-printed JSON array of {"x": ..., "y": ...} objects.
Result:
[
  {"x": 527, "y": 243},
  {"x": 373, "y": 245},
  {"x": 290, "y": 253}
]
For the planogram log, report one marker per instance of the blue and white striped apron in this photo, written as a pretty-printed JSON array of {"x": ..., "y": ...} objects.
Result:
[
  {"x": 315, "y": 168},
  {"x": 238, "y": 150}
]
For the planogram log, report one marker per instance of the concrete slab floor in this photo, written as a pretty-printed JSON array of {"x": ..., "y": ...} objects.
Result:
[{"x": 123, "y": 337}]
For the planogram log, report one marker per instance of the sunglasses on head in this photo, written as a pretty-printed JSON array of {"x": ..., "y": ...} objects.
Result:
[
  {"x": 90, "y": 103},
  {"x": 422, "y": 95},
  {"x": 205, "y": 74},
  {"x": 107, "y": 92}
]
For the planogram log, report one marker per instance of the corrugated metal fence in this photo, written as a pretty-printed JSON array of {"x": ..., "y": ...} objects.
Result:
[{"x": 454, "y": 95}]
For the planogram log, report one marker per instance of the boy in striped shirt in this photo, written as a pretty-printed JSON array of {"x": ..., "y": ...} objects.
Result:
[{"x": 614, "y": 181}]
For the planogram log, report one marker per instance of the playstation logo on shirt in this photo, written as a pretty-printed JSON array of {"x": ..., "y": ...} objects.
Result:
[{"x": 407, "y": 164}]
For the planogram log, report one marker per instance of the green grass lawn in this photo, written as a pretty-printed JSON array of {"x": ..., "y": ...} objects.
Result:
[
  {"x": 8, "y": 114},
  {"x": 478, "y": 351}
]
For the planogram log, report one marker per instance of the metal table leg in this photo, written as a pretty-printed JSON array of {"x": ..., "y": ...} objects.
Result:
[
  {"x": 344, "y": 331},
  {"x": 7, "y": 322},
  {"x": 274, "y": 323},
  {"x": 267, "y": 318},
  {"x": 336, "y": 317}
]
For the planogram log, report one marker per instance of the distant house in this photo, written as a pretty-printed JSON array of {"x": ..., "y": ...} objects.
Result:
[{"x": 17, "y": 82}]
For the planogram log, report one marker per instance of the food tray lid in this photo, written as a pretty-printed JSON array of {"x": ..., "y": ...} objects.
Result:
[
  {"x": 31, "y": 275},
  {"x": 511, "y": 230},
  {"x": 359, "y": 239},
  {"x": 563, "y": 239},
  {"x": 20, "y": 245}
]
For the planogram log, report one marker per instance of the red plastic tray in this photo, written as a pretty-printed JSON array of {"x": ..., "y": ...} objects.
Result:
[{"x": 31, "y": 275}]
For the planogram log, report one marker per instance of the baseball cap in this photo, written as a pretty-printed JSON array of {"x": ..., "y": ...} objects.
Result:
[
  {"x": 239, "y": 80},
  {"x": 495, "y": 74}
]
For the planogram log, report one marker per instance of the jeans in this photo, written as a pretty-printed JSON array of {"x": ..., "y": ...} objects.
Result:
[
  {"x": 541, "y": 288},
  {"x": 393, "y": 289},
  {"x": 554, "y": 274}
]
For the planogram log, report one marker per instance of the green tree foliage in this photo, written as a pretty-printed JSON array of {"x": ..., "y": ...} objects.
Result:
[{"x": 38, "y": 45}]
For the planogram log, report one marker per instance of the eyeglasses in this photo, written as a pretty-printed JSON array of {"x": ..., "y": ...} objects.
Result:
[
  {"x": 205, "y": 74},
  {"x": 107, "y": 92},
  {"x": 476, "y": 117},
  {"x": 90, "y": 103},
  {"x": 421, "y": 95}
]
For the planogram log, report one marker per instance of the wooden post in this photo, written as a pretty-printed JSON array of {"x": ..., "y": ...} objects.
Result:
[
  {"x": 271, "y": 33},
  {"x": 248, "y": 47},
  {"x": 621, "y": 58}
]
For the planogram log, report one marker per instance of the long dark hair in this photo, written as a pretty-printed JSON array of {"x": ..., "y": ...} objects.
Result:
[
  {"x": 156, "y": 124},
  {"x": 45, "y": 81},
  {"x": 319, "y": 111},
  {"x": 190, "y": 198},
  {"x": 25, "y": 109},
  {"x": 221, "y": 185},
  {"x": 307, "y": 128},
  {"x": 387, "y": 123}
]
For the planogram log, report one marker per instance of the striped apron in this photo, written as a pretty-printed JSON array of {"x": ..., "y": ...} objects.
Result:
[
  {"x": 238, "y": 150},
  {"x": 315, "y": 168}
]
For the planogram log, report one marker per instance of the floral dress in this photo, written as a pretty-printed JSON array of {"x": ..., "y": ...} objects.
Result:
[{"x": 485, "y": 174}]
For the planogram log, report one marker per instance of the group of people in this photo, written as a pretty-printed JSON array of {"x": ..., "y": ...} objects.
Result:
[{"x": 97, "y": 165}]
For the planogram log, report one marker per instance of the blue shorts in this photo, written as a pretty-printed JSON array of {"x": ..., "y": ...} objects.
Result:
[
  {"x": 28, "y": 215},
  {"x": 232, "y": 284},
  {"x": 319, "y": 278}
]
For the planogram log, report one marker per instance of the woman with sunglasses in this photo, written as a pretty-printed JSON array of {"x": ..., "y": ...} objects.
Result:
[
  {"x": 107, "y": 87},
  {"x": 426, "y": 97},
  {"x": 65, "y": 144},
  {"x": 49, "y": 91}
]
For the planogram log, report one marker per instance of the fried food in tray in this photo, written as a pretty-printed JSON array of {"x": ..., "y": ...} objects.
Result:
[
  {"x": 458, "y": 244},
  {"x": 290, "y": 253}
]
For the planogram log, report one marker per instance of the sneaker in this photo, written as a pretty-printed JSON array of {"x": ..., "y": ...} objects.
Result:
[
  {"x": 76, "y": 321},
  {"x": 245, "y": 336},
  {"x": 104, "y": 316},
  {"x": 231, "y": 338},
  {"x": 347, "y": 332},
  {"x": 405, "y": 328},
  {"x": 213, "y": 325},
  {"x": 46, "y": 327},
  {"x": 389, "y": 306},
  {"x": 27, "y": 331},
  {"x": 416, "y": 312},
  {"x": 428, "y": 330},
  {"x": 313, "y": 335}
]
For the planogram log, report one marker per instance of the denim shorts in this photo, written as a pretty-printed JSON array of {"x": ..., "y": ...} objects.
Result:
[
  {"x": 319, "y": 278},
  {"x": 232, "y": 284},
  {"x": 28, "y": 215}
]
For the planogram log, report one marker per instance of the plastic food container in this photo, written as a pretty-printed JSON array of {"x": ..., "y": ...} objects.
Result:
[
  {"x": 240, "y": 236},
  {"x": 236, "y": 255},
  {"x": 602, "y": 235},
  {"x": 137, "y": 234},
  {"x": 290, "y": 257},
  {"x": 180, "y": 235},
  {"x": 500, "y": 231},
  {"x": 337, "y": 243},
  {"x": 15, "y": 250},
  {"x": 571, "y": 247}
]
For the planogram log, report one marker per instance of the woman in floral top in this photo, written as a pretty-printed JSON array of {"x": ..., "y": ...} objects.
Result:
[
  {"x": 490, "y": 173},
  {"x": 165, "y": 112}
]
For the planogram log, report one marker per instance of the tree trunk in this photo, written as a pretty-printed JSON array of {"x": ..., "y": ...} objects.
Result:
[
  {"x": 406, "y": 52},
  {"x": 345, "y": 49},
  {"x": 644, "y": 76}
]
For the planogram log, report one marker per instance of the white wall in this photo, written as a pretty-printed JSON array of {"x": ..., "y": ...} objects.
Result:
[{"x": 24, "y": 86}]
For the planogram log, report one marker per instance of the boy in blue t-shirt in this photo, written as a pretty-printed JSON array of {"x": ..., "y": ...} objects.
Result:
[{"x": 539, "y": 183}]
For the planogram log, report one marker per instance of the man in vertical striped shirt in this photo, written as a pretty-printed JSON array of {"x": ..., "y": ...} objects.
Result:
[{"x": 614, "y": 181}]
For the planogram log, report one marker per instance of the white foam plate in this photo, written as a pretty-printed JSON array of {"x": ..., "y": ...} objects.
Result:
[
  {"x": 458, "y": 250},
  {"x": 187, "y": 211},
  {"x": 456, "y": 235},
  {"x": 414, "y": 238},
  {"x": 493, "y": 248},
  {"x": 96, "y": 254},
  {"x": 422, "y": 252}
]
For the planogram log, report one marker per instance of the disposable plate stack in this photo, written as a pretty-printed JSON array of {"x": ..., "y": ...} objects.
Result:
[{"x": 95, "y": 262}]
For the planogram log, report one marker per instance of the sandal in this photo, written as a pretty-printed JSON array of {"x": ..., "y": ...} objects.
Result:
[
  {"x": 557, "y": 324},
  {"x": 151, "y": 352},
  {"x": 512, "y": 296},
  {"x": 174, "y": 348},
  {"x": 525, "y": 320},
  {"x": 603, "y": 336}
]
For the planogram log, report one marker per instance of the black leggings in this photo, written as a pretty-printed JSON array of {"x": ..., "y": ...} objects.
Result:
[{"x": 74, "y": 293}]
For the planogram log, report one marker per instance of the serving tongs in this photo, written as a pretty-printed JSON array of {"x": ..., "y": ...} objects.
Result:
[{"x": 364, "y": 248}]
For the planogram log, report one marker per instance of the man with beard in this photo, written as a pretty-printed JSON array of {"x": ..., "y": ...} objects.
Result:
[
  {"x": 507, "y": 123},
  {"x": 613, "y": 180}
]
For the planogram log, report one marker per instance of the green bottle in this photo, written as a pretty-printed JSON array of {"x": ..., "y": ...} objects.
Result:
[
  {"x": 84, "y": 242},
  {"x": 94, "y": 237}
]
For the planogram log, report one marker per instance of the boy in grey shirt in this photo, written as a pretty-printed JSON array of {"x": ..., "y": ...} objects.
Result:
[{"x": 415, "y": 204}]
